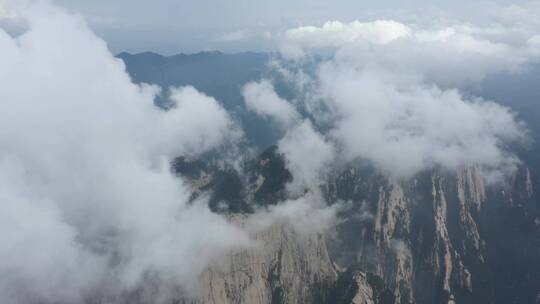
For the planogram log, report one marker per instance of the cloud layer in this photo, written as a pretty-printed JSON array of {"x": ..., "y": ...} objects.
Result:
[
  {"x": 89, "y": 205},
  {"x": 392, "y": 93}
]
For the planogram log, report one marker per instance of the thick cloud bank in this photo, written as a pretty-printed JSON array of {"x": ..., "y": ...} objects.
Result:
[
  {"x": 393, "y": 93},
  {"x": 89, "y": 206},
  {"x": 407, "y": 129}
]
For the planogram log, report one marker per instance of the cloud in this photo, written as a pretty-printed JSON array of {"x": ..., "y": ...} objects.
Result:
[
  {"x": 393, "y": 93},
  {"x": 6, "y": 12},
  {"x": 261, "y": 98},
  {"x": 307, "y": 155},
  {"x": 335, "y": 34},
  {"x": 307, "y": 214},
  {"x": 89, "y": 205},
  {"x": 404, "y": 130},
  {"x": 208, "y": 123},
  {"x": 465, "y": 53}
]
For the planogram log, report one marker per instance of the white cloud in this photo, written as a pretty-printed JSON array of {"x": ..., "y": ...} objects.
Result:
[
  {"x": 336, "y": 34},
  {"x": 393, "y": 92},
  {"x": 465, "y": 53},
  {"x": 89, "y": 205},
  {"x": 261, "y": 98},
  {"x": 307, "y": 155},
  {"x": 307, "y": 214},
  {"x": 208, "y": 123},
  {"x": 406, "y": 129}
]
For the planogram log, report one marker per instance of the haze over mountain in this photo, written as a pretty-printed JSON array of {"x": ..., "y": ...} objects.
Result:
[
  {"x": 216, "y": 74},
  {"x": 361, "y": 161},
  {"x": 219, "y": 75}
]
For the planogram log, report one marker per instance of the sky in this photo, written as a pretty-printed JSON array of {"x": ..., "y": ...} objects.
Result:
[{"x": 174, "y": 26}]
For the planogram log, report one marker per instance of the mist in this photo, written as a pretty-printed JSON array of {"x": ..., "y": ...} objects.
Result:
[
  {"x": 88, "y": 198},
  {"x": 397, "y": 96},
  {"x": 91, "y": 208}
]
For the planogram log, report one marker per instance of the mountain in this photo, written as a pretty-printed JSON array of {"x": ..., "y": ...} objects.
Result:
[
  {"x": 440, "y": 237},
  {"x": 217, "y": 74}
]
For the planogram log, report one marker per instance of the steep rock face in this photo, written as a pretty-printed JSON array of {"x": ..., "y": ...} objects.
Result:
[
  {"x": 434, "y": 238},
  {"x": 364, "y": 294},
  {"x": 287, "y": 267},
  {"x": 440, "y": 237},
  {"x": 284, "y": 267},
  {"x": 370, "y": 290}
]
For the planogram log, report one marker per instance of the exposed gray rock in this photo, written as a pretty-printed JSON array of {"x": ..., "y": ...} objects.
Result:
[{"x": 284, "y": 267}]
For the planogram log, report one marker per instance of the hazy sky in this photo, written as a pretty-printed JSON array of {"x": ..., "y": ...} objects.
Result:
[{"x": 172, "y": 26}]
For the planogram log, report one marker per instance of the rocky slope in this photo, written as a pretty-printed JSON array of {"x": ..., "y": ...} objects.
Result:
[
  {"x": 436, "y": 239},
  {"x": 286, "y": 267},
  {"x": 442, "y": 237}
]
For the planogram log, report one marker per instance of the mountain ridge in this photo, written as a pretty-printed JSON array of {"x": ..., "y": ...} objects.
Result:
[{"x": 441, "y": 237}]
